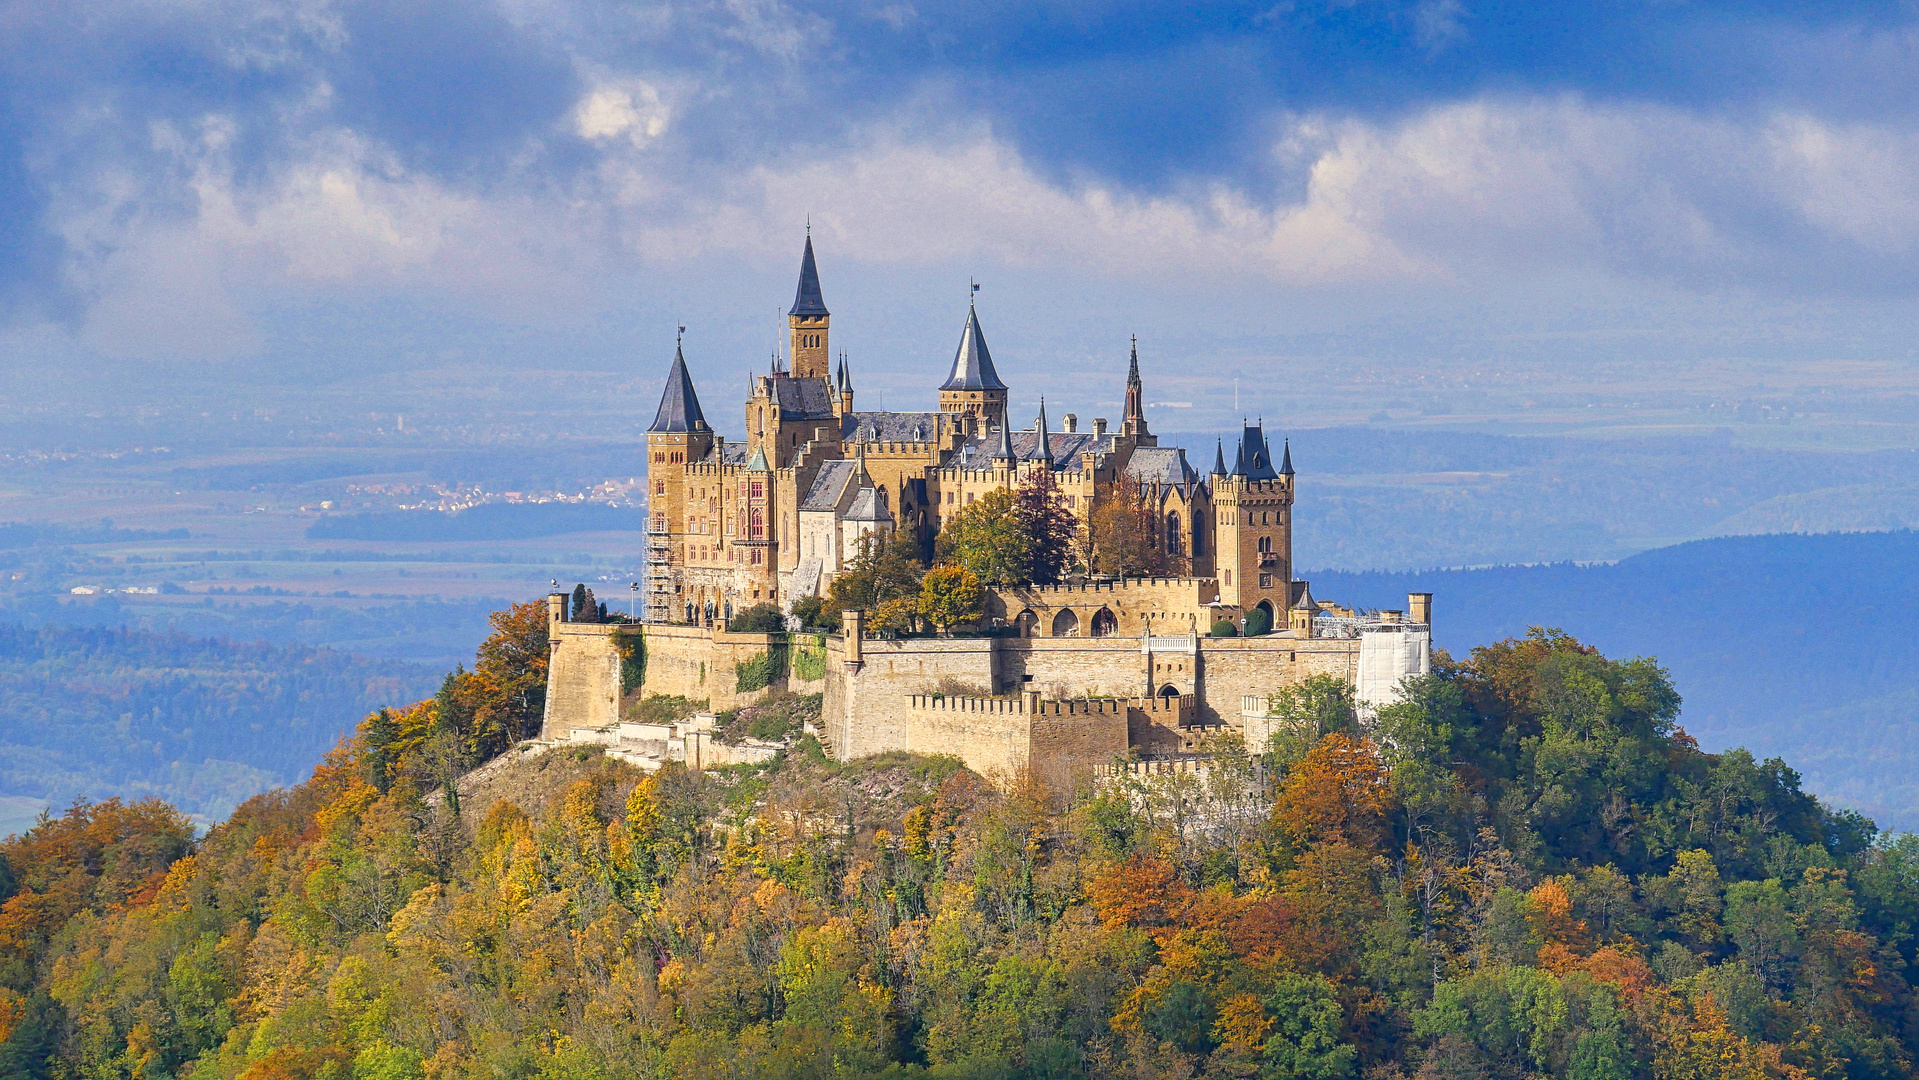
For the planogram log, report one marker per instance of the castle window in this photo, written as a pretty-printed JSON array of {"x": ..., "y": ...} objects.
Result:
[{"x": 1229, "y": 577}]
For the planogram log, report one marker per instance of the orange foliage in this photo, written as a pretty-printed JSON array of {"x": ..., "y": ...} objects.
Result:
[
  {"x": 1625, "y": 971},
  {"x": 1552, "y": 916},
  {"x": 1142, "y": 891},
  {"x": 1338, "y": 794},
  {"x": 13, "y": 1008}
]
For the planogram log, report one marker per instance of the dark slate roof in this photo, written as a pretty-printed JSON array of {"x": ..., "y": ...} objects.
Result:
[
  {"x": 890, "y": 426},
  {"x": 829, "y": 485},
  {"x": 1219, "y": 458},
  {"x": 808, "y": 301},
  {"x": 803, "y": 399},
  {"x": 1163, "y": 464},
  {"x": 867, "y": 506},
  {"x": 973, "y": 364},
  {"x": 979, "y": 451},
  {"x": 1286, "y": 463},
  {"x": 679, "y": 405},
  {"x": 1256, "y": 459},
  {"x": 730, "y": 453}
]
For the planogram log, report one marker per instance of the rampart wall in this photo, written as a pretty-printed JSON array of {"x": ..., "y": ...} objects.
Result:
[{"x": 1136, "y": 606}]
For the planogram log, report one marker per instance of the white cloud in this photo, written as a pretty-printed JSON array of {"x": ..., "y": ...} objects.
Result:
[
  {"x": 632, "y": 111},
  {"x": 1479, "y": 191}
]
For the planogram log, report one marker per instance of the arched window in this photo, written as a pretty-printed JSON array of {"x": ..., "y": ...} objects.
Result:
[
  {"x": 1028, "y": 624},
  {"x": 1066, "y": 624},
  {"x": 1105, "y": 623},
  {"x": 1169, "y": 691},
  {"x": 1172, "y": 534}
]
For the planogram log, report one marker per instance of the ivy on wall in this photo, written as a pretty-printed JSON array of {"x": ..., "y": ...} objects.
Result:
[
  {"x": 632, "y": 649},
  {"x": 760, "y": 672},
  {"x": 809, "y": 657}
]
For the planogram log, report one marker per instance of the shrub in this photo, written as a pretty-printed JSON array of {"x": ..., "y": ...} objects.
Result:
[
  {"x": 1225, "y": 628},
  {"x": 809, "y": 658},
  {"x": 760, "y": 672},
  {"x": 758, "y": 619},
  {"x": 1259, "y": 622}
]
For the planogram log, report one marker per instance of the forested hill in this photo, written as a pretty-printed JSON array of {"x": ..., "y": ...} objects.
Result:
[
  {"x": 201, "y": 722},
  {"x": 1790, "y": 645},
  {"x": 1524, "y": 870}
]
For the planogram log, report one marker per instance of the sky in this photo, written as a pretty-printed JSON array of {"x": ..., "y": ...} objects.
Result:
[{"x": 287, "y": 192}]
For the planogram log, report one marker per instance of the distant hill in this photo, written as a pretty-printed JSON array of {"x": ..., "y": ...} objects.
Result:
[
  {"x": 200, "y": 722},
  {"x": 1790, "y": 645}
]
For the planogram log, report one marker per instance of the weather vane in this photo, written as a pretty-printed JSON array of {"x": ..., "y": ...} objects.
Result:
[{"x": 975, "y": 285}]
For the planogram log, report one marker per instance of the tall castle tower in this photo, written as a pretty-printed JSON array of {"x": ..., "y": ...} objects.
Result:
[
  {"x": 679, "y": 435},
  {"x": 1133, "y": 426},
  {"x": 974, "y": 388},
  {"x": 808, "y": 321},
  {"x": 1254, "y": 507}
]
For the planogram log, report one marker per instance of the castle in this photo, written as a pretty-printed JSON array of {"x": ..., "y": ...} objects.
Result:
[{"x": 775, "y": 516}]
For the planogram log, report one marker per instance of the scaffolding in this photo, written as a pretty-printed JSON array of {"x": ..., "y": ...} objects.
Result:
[{"x": 659, "y": 571}]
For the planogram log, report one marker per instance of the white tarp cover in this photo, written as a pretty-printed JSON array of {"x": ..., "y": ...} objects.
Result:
[{"x": 1386, "y": 657}]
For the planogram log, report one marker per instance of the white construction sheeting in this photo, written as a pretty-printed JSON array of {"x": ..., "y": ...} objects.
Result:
[{"x": 1387, "y": 654}]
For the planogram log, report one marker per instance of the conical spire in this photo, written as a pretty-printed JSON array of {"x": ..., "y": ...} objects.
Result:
[
  {"x": 1219, "y": 457},
  {"x": 1286, "y": 463},
  {"x": 1135, "y": 418},
  {"x": 757, "y": 463},
  {"x": 846, "y": 375},
  {"x": 973, "y": 364},
  {"x": 679, "y": 405},
  {"x": 1043, "y": 444},
  {"x": 1239, "y": 459},
  {"x": 1005, "y": 451},
  {"x": 808, "y": 301},
  {"x": 839, "y": 375}
]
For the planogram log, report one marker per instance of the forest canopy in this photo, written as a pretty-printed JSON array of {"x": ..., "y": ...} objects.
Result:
[{"x": 1526, "y": 868}]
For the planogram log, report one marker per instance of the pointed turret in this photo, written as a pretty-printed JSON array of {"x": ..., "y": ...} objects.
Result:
[
  {"x": 807, "y": 300},
  {"x": 1286, "y": 462},
  {"x": 1005, "y": 451},
  {"x": 1219, "y": 457},
  {"x": 679, "y": 405},
  {"x": 1042, "y": 443},
  {"x": 808, "y": 323},
  {"x": 1255, "y": 457},
  {"x": 757, "y": 463},
  {"x": 973, "y": 364}
]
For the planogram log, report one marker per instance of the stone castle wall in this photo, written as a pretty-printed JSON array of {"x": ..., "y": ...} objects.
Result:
[{"x": 1138, "y": 605}]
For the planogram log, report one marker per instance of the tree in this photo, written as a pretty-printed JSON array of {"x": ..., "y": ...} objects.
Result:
[
  {"x": 985, "y": 537},
  {"x": 1129, "y": 538},
  {"x": 1339, "y": 792},
  {"x": 503, "y": 699},
  {"x": 378, "y": 732},
  {"x": 885, "y": 569},
  {"x": 950, "y": 595},
  {"x": 1259, "y": 622},
  {"x": 584, "y": 608},
  {"x": 758, "y": 619},
  {"x": 1049, "y": 528}
]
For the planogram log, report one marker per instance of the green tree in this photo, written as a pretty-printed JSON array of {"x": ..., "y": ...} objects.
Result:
[
  {"x": 884, "y": 569},
  {"x": 758, "y": 619},
  {"x": 986, "y": 538},
  {"x": 1129, "y": 538},
  {"x": 950, "y": 595}
]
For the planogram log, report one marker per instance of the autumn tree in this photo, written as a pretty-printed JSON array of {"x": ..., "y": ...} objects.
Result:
[
  {"x": 503, "y": 699},
  {"x": 1129, "y": 539},
  {"x": 950, "y": 595},
  {"x": 1049, "y": 528}
]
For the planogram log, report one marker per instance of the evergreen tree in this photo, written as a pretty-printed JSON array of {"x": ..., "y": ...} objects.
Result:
[{"x": 581, "y": 604}]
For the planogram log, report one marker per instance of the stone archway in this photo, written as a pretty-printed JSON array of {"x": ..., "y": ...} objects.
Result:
[
  {"x": 1066, "y": 624},
  {"x": 1169, "y": 691},
  {"x": 1028, "y": 623},
  {"x": 1105, "y": 623}
]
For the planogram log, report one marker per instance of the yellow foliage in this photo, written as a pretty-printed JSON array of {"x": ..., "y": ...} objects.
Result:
[
  {"x": 1243, "y": 1022},
  {"x": 13, "y": 1008}
]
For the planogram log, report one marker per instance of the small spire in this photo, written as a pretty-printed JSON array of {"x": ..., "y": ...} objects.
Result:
[
  {"x": 1286, "y": 463},
  {"x": 1219, "y": 457},
  {"x": 1005, "y": 451},
  {"x": 1042, "y": 444},
  {"x": 846, "y": 375}
]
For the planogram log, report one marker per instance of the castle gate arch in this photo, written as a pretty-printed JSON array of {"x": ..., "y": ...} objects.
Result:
[
  {"x": 1066, "y": 624},
  {"x": 1169, "y": 691},
  {"x": 1105, "y": 623},
  {"x": 1028, "y": 623}
]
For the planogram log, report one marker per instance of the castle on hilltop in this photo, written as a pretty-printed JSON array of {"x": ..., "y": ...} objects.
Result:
[
  {"x": 775, "y": 516},
  {"x": 1061, "y": 680}
]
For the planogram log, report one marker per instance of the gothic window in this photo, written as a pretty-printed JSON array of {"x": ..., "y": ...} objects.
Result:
[
  {"x": 1172, "y": 533},
  {"x": 758, "y": 524},
  {"x": 758, "y": 490}
]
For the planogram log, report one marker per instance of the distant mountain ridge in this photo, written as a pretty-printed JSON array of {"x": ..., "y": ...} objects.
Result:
[
  {"x": 201, "y": 722},
  {"x": 1788, "y": 644}
]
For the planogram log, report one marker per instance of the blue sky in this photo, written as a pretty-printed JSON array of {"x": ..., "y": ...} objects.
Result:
[{"x": 277, "y": 184}]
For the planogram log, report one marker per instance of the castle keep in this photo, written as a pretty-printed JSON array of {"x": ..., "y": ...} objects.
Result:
[{"x": 1077, "y": 674}]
